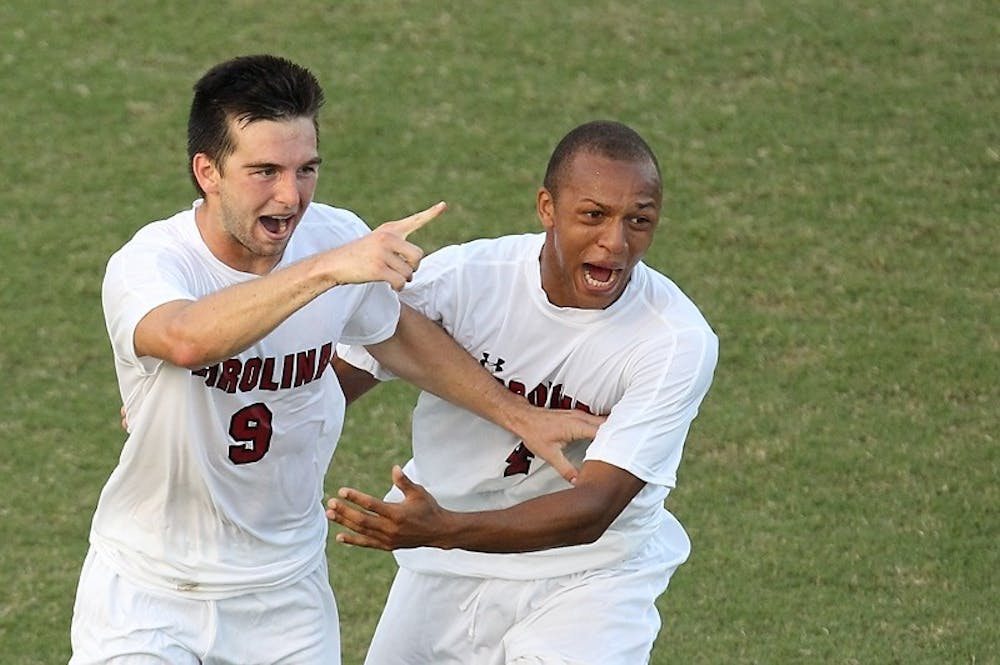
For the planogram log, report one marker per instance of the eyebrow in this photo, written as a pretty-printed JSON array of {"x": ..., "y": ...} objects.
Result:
[
  {"x": 268, "y": 165},
  {"x": 645, "y": 204}
]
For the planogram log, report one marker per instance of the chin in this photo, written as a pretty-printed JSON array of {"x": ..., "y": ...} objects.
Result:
[{"x": 604, "y": 300}]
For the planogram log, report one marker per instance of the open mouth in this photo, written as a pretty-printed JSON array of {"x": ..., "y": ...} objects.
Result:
[
  {"x": 276, "y": 225},
  {"x": 599, "y": 277}
]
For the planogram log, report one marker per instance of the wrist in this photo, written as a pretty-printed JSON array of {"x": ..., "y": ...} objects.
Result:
[
  {"x": 516, "y": 414},
  {"x": 453, "y": 527},
  {"x": 323, "y": 273}
]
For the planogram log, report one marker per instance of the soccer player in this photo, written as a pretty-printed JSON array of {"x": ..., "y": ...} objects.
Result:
[
  {"x": 501, "y": 560},
  {"x": 207, "y": 544}
]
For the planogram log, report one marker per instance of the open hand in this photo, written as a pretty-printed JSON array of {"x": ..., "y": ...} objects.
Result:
[
  {"x": 547, "y": 432},
  {"x": 416, "y": 521}
]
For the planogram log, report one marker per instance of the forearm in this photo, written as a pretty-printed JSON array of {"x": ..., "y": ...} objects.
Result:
[
  {"x": 202, "y": 332},
  {"x": 568, "y": 517},
  {"x": 422, "y": 353},
  {"x": 574, "y": 516},
  {"x": 216, "y": 327}
]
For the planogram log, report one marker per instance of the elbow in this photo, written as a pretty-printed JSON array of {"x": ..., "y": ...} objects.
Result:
[
  {"x": 170, "y": 334},
  {"x": 593, "y": 515},
  {"x": 190, "y": 348},
  {"x": 590, "y": 533},
  {"x": 189, "y": 356},
  {"x": 590, "y": 530}
]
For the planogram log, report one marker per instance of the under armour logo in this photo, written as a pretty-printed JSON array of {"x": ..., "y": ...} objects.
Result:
[{"x": 494, "y": 366}]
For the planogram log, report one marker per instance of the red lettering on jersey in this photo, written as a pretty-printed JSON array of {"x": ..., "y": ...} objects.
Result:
[
  {"x": 257, "y": 373},
  {"x": 287, "y": 371},
  {"x": 538, "y": 395},
  {"x": 325, "y": 355},
  {"x": 229, "y": 378},
  {"x": 251, "y": 374},
  {"x": 555, "y": 396},
  {"x": 210, "y": 374},
  {"x": 250, "y": 427},
  {"x": 305, "y": 366},
  {"x": 519, "y": 461},
  {"x": 267, "y": 375},
  {"x": 559, "y": 401},
  {"x": 517, "y": 387}
]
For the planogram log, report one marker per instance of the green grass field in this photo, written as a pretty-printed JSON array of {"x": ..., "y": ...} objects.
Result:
[{"x": 833, "y": 204}]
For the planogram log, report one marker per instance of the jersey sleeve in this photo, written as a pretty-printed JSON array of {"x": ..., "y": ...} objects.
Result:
[
  {"x": 645, "y": 431},
  {"x": 429, "y": 293},
  {"x": 374, "y": 319},
  {"x": 138, "y": 279},
  {"x": 375, "y": 311}
]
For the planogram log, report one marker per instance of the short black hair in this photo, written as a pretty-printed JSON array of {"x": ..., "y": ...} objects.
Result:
[
  {"x": 606, "y": 138},
  {"x": 247, "y": 88}
]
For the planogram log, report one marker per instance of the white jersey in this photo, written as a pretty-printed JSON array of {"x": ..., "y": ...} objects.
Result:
[
  {"x": 218, "y": 489},
  {"x": 646, "y": 361}
]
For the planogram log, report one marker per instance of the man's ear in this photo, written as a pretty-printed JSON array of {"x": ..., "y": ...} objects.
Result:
[
  {"x": 206, "y": 173},
  {"x": 546, "y": 208}
]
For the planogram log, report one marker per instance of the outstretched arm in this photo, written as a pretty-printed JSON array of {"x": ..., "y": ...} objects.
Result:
[
  {"x": 422, "y": 353},
  {"x": 573, "y": 516},
  {"x": 197, "y": 333}
]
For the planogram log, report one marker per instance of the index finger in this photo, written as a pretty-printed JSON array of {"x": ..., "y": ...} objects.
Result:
[
  {"x": 359, "y": 498},
  {"x": 408, "y": 225},
  {"x": 565, "y": 468}
]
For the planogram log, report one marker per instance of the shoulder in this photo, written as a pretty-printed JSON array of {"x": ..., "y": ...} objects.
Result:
[
  {"x": 159, "y": 238},
  {"x": 485, "y": 251},
  {"x": 663, "y": 297},
  {"x": 460, "y": 271},
  {"x": 667, "y": 312},
  {"x": 670, "y": 345}
]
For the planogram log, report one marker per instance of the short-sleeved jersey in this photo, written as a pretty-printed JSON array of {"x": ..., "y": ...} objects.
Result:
[
  {"x": 646, "y": 362},
  {"x": 218, "y": 489}
]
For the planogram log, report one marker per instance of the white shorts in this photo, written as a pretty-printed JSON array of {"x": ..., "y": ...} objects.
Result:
[
  {"x": 599, "y": 617},
  {"x": 116, "y": 621}
]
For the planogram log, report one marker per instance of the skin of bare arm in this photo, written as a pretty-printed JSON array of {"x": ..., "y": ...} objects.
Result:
[
  {"x": 194, "y": 334},
  {"x": 353, "y": 381},
  {"x": 573, "y": 516},
  {"x": 423, "y": 354}
]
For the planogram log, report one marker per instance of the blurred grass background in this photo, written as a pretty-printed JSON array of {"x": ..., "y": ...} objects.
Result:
[{"x": 832, "y": 204}]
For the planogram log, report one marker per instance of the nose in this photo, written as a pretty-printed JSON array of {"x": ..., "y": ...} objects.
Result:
[
  {"x": 286, "y": 191},
  {"x": 613, "y": 236}
]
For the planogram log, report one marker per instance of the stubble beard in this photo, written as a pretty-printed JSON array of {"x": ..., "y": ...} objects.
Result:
[{"x": 240, "y": 227}]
